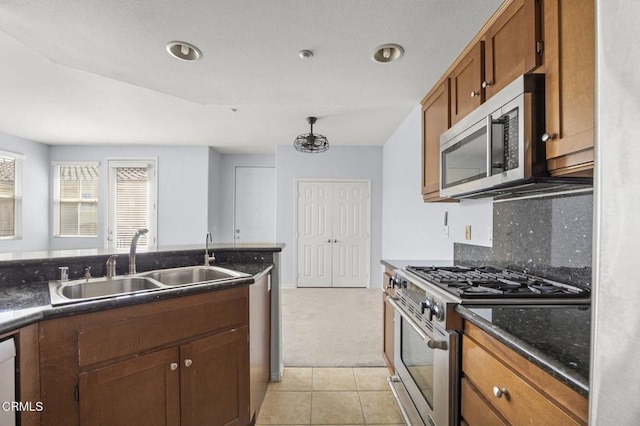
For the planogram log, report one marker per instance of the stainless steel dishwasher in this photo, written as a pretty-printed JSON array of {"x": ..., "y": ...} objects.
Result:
[{"x": 7, "y": 382}]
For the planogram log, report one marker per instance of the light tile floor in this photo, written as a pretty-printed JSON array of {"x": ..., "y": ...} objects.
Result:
[{"x": 330, "y": 396}]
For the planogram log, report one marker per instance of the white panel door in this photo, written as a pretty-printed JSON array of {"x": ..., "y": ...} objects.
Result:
[
  {"x": 333, "y": 234},
  {"x": 350, "y": 244},
  {"x": 255, "y": 208},
  {"x": 314, "y": 234}
]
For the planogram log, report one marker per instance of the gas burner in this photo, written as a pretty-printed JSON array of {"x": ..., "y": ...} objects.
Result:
[{"x": 492, "y": 283}]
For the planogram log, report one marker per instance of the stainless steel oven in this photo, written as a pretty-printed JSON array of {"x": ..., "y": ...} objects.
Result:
[{"x": 426, "y": 384}]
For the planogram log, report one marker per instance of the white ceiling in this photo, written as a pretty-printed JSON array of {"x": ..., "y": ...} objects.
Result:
[{"x": 97, "y": 72}]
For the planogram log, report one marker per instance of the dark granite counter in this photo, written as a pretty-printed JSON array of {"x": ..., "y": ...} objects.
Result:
[
  {"x": 400, "y": 263},
  {"x": 24, "y": 294},
  {"x": 555, "y": 338}
]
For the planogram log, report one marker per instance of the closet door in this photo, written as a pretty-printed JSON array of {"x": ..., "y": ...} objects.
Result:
[
  {"x": 350, "y": 234},
  {"x": 333, "y": 234},
  {"x": 314, "y": 234}
]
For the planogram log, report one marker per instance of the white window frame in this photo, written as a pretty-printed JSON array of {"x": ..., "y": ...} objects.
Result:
[
  {"x": 112, "y": 165},
  {"x": 18, "y": 160},
  {"x": 56, "y": 197}
]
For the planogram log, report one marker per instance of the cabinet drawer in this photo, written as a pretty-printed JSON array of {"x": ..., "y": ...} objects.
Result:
[
  {"x": 475, "y": 409},
  {"x": 521, "y": 403},
  {"x": 117, "y": 337}
]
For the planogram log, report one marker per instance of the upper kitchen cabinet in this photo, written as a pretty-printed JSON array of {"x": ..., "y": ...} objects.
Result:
[
  {"x": 569, "y": 80},
  {"x": 435, "y": 120},
  {"x": 466, "y": 84},
  {"x": 512, "y": 45}
]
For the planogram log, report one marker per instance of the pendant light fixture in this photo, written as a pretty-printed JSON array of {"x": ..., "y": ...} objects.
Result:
[{"x": 310, "y": 142}]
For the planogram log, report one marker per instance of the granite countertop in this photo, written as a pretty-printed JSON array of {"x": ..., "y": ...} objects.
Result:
[
  {"x": 555, "y": 338},
  {"x": 22, "y": 304}
]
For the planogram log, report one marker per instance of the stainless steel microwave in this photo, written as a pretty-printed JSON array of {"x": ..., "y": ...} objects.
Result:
[{"x": 498, "y": 145}]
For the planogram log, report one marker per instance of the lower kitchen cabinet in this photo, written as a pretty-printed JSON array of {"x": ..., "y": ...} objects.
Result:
[
  {"x": 499, "y": 386},
  {"x": 183, "y": 361},
  {"x": 388, "y": 314},
  {"x": 143, "y": 390}
]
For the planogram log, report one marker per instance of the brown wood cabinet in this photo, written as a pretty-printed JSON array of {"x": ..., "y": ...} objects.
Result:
[
  {"x": 435, "y": 120},
  {"x": 179, "y": 361},
  {"x": 512, "y": 45},
  {"x": 466, "y": 83},
  {"x": 569, "y": 83},
  {"x": 259, "y": 340},
  {"x": 501, "y": 387},
  {"x": 388, "y": 314}
]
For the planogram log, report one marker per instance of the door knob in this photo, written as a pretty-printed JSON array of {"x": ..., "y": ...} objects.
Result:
[
  {"x": 335, "y": 241},
  {"x": 173, "y": 366},
  {"x": 329, "y": 240},
  {"x": 188, "y": 362},
  {"x": 498, "y": 392},
  {"x": 474, "y": 94},
  {"x": 486, "y": 84}
]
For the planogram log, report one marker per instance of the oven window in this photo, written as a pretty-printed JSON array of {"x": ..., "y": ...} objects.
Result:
[
  {"x": 466, "y": 160},
  {"x": 418, "y": 358}
]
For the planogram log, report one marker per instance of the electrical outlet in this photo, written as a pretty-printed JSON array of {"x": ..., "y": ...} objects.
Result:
[{"x": 467, "y": 232}]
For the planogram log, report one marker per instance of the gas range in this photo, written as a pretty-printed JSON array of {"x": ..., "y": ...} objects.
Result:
[
  {"x": 491, "y": 285},
  {"x": 431, "y": 293}
]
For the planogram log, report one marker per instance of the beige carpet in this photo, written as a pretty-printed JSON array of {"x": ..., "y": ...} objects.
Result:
[{"x": 332, "y": 327}]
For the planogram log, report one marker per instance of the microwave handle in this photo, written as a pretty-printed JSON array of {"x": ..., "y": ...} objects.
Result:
[{"x": 489, "y": 145}]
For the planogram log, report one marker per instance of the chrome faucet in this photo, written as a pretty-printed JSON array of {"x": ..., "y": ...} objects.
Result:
[
  {"x": 111, "y": 266},
  {"x": 132, "y": 250},
  {"x": 207, "y": 258}
]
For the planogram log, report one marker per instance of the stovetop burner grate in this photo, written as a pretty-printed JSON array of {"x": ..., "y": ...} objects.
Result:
[{"x": 490, "y": 282}]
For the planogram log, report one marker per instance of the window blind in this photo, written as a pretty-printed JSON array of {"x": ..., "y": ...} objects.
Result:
[
  {"x": 77, "y": 200},
  {"x": 7, "y": 196},
  {"x": 131, "y": 204}
]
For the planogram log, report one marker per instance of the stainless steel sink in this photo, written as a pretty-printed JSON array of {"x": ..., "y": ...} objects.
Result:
[
  {"x": 97, "y": 288},
  {"x": 194, "y": 275}
]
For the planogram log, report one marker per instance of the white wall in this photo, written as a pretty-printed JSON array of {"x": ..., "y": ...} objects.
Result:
[
  {"x": 615, "y": 371},
  {"x": 183, "y": 176},
  {"x": 214, "y": 201},
  {"x": 363, "y": 162},
  {"x": 227, "y": 185},
  {"x": 412, "y": 229},
  {"x": 35, "y": 193}
]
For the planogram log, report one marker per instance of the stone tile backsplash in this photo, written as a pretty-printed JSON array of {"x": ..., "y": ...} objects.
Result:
[{"x": 549, "y": 237}]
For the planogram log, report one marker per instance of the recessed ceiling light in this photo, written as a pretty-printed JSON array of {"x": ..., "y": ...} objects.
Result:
[
  {"x": 183, "y": 51},
  {"x": 387, "y": 53},
  {"x": 305, "y": 54}
]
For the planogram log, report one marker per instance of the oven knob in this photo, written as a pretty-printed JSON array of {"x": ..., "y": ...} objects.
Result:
[
  {"x": 437, "y": 311},
  {"x": 427, "y": 304}
]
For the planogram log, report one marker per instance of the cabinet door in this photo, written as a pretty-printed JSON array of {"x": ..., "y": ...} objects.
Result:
[
  {"x": 511, "y": 45},
  {"x": 435, "y": 121},
  {"x": 215, "y": 379},
  {"x": 141, "y": 391},
  {"x": 466, "y": 83},
  {"x": 569, "y": 79}
]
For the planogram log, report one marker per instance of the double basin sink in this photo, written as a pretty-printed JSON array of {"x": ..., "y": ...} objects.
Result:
[{"x": 99, "y": 288}]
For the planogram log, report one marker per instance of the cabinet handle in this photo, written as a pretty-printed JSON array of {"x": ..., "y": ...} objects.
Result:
[
  {"x": 173, "y": 366},
  {"x": 474, "y": 94},
  {"x": 188, "y": 362},
  {"x": 548, "y": 137},
  {"x": 486, "y": 84},
  {"x": 329, "y": 240},
  {"x": 335, "y": 241},
  {"x": 498, "y": 392}
]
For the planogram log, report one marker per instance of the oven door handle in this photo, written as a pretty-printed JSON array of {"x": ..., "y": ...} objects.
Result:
[{"x": 408, "y": 319}]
